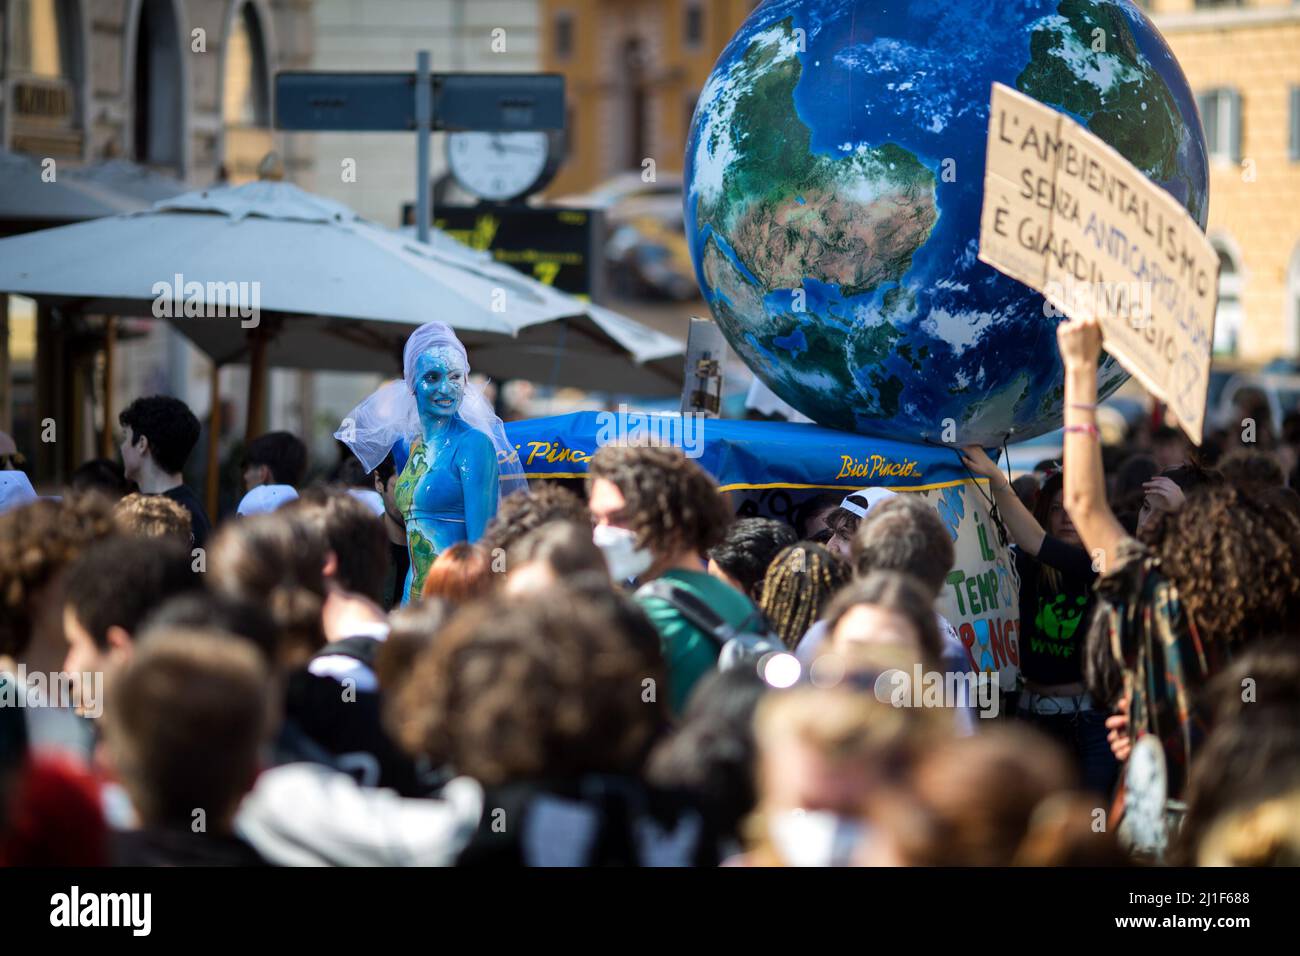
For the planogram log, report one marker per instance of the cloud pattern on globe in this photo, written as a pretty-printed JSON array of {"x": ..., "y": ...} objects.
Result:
[{"x": 834, "y": 180}]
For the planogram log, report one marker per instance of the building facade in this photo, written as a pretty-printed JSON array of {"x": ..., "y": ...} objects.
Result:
[
  {"x": 180, "y": 86},
  {"x": 1242, "y": 59},
  {"x": 634, "y": 70}
]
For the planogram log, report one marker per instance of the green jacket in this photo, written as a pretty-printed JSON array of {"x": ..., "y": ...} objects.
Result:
[{"x": 690, "y": 653}]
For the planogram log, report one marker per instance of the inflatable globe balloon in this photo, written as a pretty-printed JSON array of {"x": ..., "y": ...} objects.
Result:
[{"x": 834, "y": 181}]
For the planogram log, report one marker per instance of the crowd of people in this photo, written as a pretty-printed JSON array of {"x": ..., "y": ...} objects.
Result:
[{"x": 631, "y": 675}]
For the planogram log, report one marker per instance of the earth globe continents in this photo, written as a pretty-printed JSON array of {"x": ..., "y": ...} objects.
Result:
[{"x": 834, "y": 181}]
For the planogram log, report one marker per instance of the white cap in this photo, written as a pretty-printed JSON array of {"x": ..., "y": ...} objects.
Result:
[
  {"x": 15, "y": 490},
  {"x": 266, "y": 498},
  {"x": 371, "y": 499},
  {"x": 874, "y": 497}
]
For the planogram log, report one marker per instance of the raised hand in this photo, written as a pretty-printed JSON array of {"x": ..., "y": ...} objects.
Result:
[{"x": 1080, "y": 341}]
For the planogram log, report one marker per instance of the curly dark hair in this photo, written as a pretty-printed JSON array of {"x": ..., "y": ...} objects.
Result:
[
  {"x": 799, "y": 583},
  {"x": 521, "y": 513},
  {"x": 1234, "y": 556},
  {"x": 748, "y": 548},
  {"x": 672, "y": 504},
  {"x": 551, "y": 686},
  {"x": 1253, "y": 468},
  {"x": 169, "y": 425},
  {"x": 1235, "y": 559},
  {"x": 36, "y": 543},
  {"x": 1193, "y": 475}
]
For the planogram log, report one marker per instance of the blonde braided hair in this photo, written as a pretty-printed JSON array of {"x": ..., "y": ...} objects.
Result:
[{"x": 798, "y": 585}]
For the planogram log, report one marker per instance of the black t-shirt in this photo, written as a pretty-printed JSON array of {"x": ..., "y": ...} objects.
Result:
[
  {"x": 345, "y": 731},
  {"x": 399, "y": 563},
  {"x": 1054, "y": 622},
  {"x": 199, "y": 522}
]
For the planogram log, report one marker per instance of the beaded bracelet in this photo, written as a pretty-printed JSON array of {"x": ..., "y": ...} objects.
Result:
[{"x": 1086, "y": 429}]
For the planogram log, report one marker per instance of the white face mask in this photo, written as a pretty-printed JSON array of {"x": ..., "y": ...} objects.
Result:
[
  {"x": 816, "y": 838},
  {"x": 623, "y": 558}
]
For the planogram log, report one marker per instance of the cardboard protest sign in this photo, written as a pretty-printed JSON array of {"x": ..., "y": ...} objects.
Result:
[
  {"x": 981, "y": 595},
  {"x": 1069, "y": 216}
]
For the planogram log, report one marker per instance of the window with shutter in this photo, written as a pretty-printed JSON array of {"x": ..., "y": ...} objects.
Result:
[
  {"x": 1208, "y": 105},
  {"x": 1294, "y": 119},
  {"x": 1234, "y": 124},
  {"x": 1229, "y": 316},
  {"x": 1221, "y": 119}
]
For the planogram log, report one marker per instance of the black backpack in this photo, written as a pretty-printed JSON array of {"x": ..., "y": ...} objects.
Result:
[
  {"x": 738, "y": 644},
  {"x": 592, "y": 820},
  {"x": 347, "y": 734}
]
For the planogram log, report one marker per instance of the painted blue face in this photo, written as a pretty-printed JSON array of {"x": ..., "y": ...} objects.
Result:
[{"x": 440, "y": 379}]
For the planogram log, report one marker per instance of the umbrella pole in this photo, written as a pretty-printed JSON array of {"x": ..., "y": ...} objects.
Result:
[
  {"x": 256, "y": 384},
  {"x": 214, "y": 441},
  {"x": 110, "y": 369}
]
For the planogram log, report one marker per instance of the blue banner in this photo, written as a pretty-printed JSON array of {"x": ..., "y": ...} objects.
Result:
[{"x": 741, "y": 455}]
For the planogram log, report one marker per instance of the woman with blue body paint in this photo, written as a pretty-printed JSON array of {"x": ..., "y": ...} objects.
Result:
[{"x": 455, "y": 460}]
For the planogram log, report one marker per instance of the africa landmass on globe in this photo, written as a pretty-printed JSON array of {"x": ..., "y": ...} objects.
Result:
[{"x": 834, "y": 180}]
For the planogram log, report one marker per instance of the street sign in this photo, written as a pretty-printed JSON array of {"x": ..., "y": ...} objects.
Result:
[
  {"x": 498, "y": 102},
  {"x": 422, "y": 101},
  {"x": 371, "y": 102},
  {"x": 355, "y": 102}
]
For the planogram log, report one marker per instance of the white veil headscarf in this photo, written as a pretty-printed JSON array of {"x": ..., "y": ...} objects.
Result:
[{"x": 390, "y": 414}]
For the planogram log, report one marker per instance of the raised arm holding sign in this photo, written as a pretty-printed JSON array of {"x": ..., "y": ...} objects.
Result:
[{"x": 1068, "y": 215}]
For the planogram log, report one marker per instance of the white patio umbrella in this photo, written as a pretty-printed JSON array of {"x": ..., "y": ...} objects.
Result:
[
  {"x": 330, "y": 290},
  {"x": 285, "y": 250},
  {"x": 271, "y": 275},
  {"x": 31, "y": 199},
  {"x": 129, "y": 179}
]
